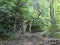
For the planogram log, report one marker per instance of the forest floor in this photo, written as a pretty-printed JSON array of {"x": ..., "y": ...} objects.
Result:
[{"x": 33, "y": 39}]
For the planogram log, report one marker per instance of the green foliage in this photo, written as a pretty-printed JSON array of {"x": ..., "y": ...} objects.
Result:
[
  {"x": 6, "y": 16},
  {"x": 57, "y": 34},
  {"x": 28, "y": 10}
]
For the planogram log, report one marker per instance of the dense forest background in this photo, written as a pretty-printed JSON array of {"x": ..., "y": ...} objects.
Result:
[{"x": 37, "y": 16}]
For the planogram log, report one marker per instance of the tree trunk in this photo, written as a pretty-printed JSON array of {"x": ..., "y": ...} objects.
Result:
[
  {"x": 16, "y": 14},
  {"x": 52, "y": 28},
  {"x": 53, "y": 22}
]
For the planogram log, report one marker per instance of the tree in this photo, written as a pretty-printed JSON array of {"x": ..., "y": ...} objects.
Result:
[
  {"x": 53, "y": 22},
  {"x": 16, "y": 14},
  {"x": 53, "y": 27}
]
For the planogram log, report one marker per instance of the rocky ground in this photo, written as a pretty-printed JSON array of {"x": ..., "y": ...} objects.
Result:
[{"x": 32, "y": 39}]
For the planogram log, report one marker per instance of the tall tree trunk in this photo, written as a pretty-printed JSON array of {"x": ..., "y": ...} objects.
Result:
[
  {"x": 53, "y": 22},
  {"x": 52, "y": 28},
  {"x": 16, "y": 14}
]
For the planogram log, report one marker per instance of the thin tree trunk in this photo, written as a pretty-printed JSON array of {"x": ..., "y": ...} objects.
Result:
[
  {"x": 52, "y": 13},
  {"x": 30, "y": 25},
  {"x": 52, "y": 29},
  {"x": 16, "y": 14}
]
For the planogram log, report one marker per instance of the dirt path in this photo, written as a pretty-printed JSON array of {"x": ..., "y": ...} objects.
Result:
[{"x": 32, "y": 39}]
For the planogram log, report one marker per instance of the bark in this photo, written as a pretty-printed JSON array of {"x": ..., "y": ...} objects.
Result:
[
  {"x": 52, "y": 13},
  {"x": 16, "y": 14},
  {"x": 52, "y": 28},
  {"x": 30, "y": 25}
]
